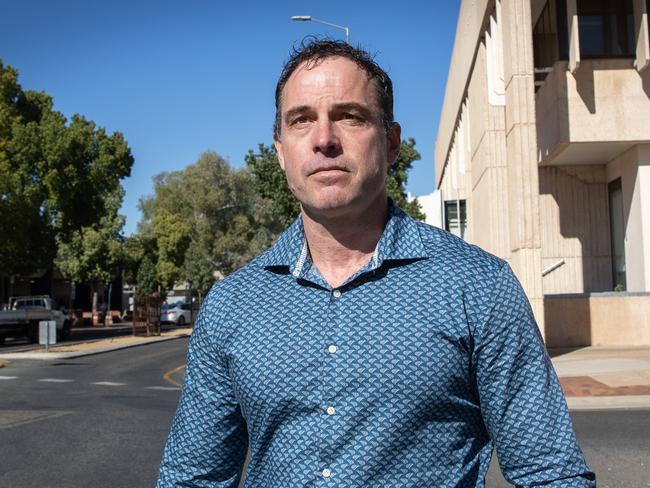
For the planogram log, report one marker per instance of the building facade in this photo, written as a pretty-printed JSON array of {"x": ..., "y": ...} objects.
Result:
[{"x": 543, "y": 155}]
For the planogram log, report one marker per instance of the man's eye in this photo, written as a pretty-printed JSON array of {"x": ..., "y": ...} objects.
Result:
[
  {"x": 351, "y": 117},
  {"x": 303, "y": 119}
]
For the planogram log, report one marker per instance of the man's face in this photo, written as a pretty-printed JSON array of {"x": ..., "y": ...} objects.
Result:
[{"x": 333, "y": 146}]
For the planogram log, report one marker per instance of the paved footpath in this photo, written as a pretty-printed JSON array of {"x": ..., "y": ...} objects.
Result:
[
  {"x": 75, "y": 349},
  {"x": 603, "y": 378},
  {"x": 593, "y": 378}
]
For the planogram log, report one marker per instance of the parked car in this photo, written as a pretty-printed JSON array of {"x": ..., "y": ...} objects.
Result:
[
  {"x": 179, "y": 314},
  {"x": 25, "y": 313}
]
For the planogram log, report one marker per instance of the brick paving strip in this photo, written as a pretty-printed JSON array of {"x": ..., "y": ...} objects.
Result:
[
  {"x": 596, "y": 378},
  {"x": 577, "y": 386}
]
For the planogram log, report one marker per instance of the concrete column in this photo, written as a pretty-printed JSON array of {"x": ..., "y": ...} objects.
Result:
[
  {"x": 637, "y": 232},
  {"x": 521, "y": 151},
  {"x": 574, "y": 35},
  {"x": 642, "y": 38},
  {"x": 488, "y": 219}
]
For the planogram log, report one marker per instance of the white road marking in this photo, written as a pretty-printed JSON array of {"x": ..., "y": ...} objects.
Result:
[
  {"x": 108, "y": 383},
  {"x": 8, "y": 377},
  {"x": 163, "y": 388},
  {"x": 54, "y": 380}
]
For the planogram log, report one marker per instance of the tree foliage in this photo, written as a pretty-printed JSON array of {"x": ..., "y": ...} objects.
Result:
[
  {"x": 94, "y": 253},
  {"x": 271, "y": 183},
  {"x": 59, "y": 185},
  {"x": 147, "y": 282},
  {"x": 398, "y": 176},
  {"x": 206, "y": 221}
]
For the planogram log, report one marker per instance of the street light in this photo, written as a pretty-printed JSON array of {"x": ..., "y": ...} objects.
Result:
[{"x": 306, "y": 18}]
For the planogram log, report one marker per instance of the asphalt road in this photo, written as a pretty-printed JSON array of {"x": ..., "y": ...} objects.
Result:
[
  {"x": 616, "y": 445},
  {"x": 98, "y": 421},
  {"x": 102, "y": 421}
]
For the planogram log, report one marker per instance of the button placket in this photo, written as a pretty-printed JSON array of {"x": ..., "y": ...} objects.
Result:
[{"x": 331, "y": 380}]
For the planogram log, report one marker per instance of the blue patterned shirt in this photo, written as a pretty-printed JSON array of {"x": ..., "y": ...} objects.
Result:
[{"x": 405, "y": 376}]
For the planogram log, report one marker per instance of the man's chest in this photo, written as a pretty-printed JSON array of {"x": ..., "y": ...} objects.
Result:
[{"x": 378, "y": 342}]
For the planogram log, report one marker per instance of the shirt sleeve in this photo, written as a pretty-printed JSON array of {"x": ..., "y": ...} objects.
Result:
[
  {"x": 520, "y": 395},
  {"x": 208, "y": 439}
]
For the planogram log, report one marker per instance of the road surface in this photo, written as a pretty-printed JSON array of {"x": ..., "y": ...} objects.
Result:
[{"x": 102, "y": 421}]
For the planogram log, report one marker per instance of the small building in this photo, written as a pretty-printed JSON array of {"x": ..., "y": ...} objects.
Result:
[
  {"x": 543, "y": 157},
  {"x": 431, "y": 206}
]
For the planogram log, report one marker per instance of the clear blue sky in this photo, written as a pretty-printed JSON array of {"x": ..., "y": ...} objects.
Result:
[{"x": 179, "y": 78}]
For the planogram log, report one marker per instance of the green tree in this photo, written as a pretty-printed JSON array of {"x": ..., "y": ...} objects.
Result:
[
  {"x": 271, "y": 183},
  {"x": 398, "y": 176},
  {"x": 173, "y": 235},
  {"x": 94, "y": 253},
  {"x": 147, "y": 283},
  {"x": 59, "y": 181},
  {"x": 134, "y": 248},
  {"x": 206, "y": 221}
]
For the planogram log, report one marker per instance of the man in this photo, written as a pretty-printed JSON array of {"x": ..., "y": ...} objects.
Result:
[{"x": 364, "y": 349}]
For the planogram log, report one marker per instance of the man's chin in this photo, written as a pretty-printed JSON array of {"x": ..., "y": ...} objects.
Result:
[
  {"x": 328, "y": 206},
  {"x": 335, "y": 205}
]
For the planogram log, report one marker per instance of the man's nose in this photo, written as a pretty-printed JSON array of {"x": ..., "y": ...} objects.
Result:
[{"x": 326, "y": 139}]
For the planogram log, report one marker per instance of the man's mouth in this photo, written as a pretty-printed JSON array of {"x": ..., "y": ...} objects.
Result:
[{"x": 328, "y": 169}]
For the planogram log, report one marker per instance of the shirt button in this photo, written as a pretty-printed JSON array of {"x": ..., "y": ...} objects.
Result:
[
  {"x": 337, "y": 293},
  {"x": 330, "y": 410},
  {"x": 327, "y": 473},
  {"x": 332, "y": 349}
]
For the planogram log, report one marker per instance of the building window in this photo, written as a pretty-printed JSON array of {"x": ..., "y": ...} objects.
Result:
[
  {"x": 456, "y": 217},
  {"x": 617, "y": 235},
  {"x": 545, "y": 43},
  {"x": 606, "y": 28}
]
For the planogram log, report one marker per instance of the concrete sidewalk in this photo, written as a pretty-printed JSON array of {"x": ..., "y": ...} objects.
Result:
[
  {"x": 593, "y": 378},
  {"x": 71, "y": 350},
  {"x": 599, "y": 378}
]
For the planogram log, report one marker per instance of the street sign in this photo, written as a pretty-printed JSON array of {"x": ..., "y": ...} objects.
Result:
[{"x": 47, "y": 332}]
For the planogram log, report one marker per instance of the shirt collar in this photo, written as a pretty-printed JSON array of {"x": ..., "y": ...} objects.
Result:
[{"x": 400, "y": 240}]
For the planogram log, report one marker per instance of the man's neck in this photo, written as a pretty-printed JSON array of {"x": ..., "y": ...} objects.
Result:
[{"x": 341, "y": 245}]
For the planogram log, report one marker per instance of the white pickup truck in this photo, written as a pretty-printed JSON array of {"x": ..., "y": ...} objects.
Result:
[{"x": 24, "y": 314}]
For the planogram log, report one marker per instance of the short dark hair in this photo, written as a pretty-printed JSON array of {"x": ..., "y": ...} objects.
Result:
[{"x": 314, "y": 50}]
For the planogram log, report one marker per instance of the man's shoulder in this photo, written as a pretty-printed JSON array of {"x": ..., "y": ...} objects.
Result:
[
  {"x": 462, "y": 271},
  {"x": 239, "y": 280},
  {"x": 454, "y": 260},
  {"x": 457, "y": 255},
  {"x": 245, "y": 280}
]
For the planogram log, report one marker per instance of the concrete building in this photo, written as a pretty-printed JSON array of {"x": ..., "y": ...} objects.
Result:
[{"x": 543, "y": 157}]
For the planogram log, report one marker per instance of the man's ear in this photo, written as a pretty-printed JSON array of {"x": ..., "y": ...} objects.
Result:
[
  {"x": 278, "y": 149},
  {"x": 394, "y": 137}
]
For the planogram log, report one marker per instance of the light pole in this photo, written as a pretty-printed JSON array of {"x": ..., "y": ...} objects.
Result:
[{"x": 306, "y": 18}]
